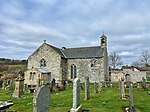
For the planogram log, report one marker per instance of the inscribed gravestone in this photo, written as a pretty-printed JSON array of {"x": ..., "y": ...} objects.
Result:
[
  {"x": 131, "y": 107},
  {"x": 143, "y": 83},
  {"x": 76, "y": 96},
  {"x": 122, "y": 88},
  {"x": 87, "y": 89},
  {"x": 95, "y": 88},
  {"x": 18, "y": 92},
  {"x": 41, "y": 99}
]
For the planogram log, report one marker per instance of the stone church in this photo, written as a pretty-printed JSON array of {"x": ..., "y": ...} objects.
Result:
[{"x": 66, "y": 64}]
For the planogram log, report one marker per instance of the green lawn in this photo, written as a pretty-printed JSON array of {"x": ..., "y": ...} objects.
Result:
[{"x": 106, "y": 101}]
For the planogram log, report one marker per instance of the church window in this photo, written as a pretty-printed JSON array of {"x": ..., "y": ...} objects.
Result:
[
  {"x": 73, "y": 72},
  {"x": 42, "y": 63},
  {"x": 30, "y": 77},
  {"x": 33, "y": 76}
]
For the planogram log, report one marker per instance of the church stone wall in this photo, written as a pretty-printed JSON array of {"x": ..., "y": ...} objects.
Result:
[
  {"x": 53, "y": 61},
  {"x": 95, "y": 73}
]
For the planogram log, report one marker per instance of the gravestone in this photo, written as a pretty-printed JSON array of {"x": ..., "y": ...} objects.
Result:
[
  {"x": 4, "y": 84},
  {"x": 122, "y": 88},
  {"x": 53, "y": 85},
  {"x": 87, "y": 88},
  {"x": 131, "y": 107},
  {"x": 41, "y": 100},
  {"x": 119, "y": 86},
  {"x": 99, "y": 86},
  {"x": 18, "y": 92},
  {"x": 143, "y": 83},
  {"x": 76, "y": 96},
  {"x": 25, "y": 87},
  {"x": 95, "y": 88},
  {"x": 10, "y": 84},
  {"x": 128, "y": 79}
]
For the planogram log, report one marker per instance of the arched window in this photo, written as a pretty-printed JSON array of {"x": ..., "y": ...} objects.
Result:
[
  {"x": 42, "y": 63},
  {"x": 73, "y": 72},
  {"x": 30, "y": 77}
]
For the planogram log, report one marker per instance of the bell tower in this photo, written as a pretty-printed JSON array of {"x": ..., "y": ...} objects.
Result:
[{"x": 103, "y": 41}]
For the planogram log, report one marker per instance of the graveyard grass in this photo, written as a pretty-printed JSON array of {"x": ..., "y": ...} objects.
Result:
[{"x": 106, "y": 101}]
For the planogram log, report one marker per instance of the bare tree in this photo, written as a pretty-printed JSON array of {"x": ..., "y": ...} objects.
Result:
[
  {"x": 145, "y": 58},
  {"x": 114, "y": 60},
  {"x": 137, "y": 64}
]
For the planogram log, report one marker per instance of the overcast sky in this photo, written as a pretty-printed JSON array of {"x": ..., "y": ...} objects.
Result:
[{"x": 24, "y": 24}]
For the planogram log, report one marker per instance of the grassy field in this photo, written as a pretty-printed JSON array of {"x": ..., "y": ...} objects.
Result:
[{"x": 106, "y": 101}]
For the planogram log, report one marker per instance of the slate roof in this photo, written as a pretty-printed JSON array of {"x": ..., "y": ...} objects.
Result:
[
  {"x": 83, "y": 52},
  {"x": 42, "y": 70}
]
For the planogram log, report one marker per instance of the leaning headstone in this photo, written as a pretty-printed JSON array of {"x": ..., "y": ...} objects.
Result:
[
  {"x": 143, "y": 83},
  {"x": 95, "y": 88},
  {"x": 76, "y": 96},
  {"x": 87, "y": 88},
  {"x": 122, "y": 89},
  {"x": 131, "y": 107},
  {"x": 18, "y": 92},
  {"x": 41, "y": 99}
]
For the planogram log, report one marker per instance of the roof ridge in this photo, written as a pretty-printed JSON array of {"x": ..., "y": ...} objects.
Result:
[{"x": 82, "y": 47}]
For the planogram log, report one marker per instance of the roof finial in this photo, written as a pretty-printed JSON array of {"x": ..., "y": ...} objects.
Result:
[{"x": 44, "y": 41}]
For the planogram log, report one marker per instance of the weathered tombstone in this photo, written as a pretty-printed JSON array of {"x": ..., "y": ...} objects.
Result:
[
  {"x": 25, "y": 87},
  {"x": 76, "y": 96},
  {"x": 99, "y": 86},
  {"x": 87, "y": 88},
  {"x": 143, "y": 83},
  {"x": 122, "y": 88},
  {"x": 4, "y": 84},
  {"x": 128, "y": 79},
  {"x": 10, "y": 84},
  {"x": 131, "y": 107},
  {"x": 53, "y": 85},
  {"x": 95, "y": 88},
  {"x": 41, "y": 99},
  {"x": 119, "y": 86},
  {"x": 18, "y": 92}
]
